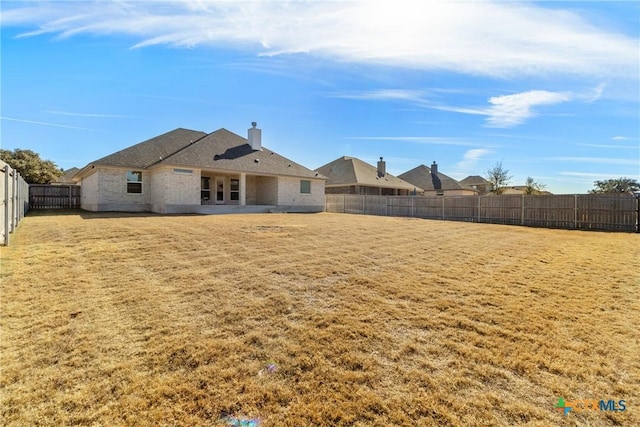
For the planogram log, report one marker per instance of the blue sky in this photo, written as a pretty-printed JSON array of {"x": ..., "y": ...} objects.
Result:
[{"x": 551, "y": 89}]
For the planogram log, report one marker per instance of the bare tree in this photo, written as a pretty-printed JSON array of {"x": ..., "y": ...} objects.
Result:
[
  {"x": 498, "y": 178},
  {"x": 531, "y": 186}
]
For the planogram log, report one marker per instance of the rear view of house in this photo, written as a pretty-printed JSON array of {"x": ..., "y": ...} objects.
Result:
[{"x": 187, "y": 171}]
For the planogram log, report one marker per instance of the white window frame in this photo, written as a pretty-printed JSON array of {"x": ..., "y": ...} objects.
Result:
[{"x": 138, "y": 181}]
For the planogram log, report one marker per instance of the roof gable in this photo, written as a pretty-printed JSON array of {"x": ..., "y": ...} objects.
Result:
[
  {"x": 346, "y": 171},
  {"x": 422, "y": 177},
  {"x": 224, "y": 150},
  {"x": 474, "y": 180}
]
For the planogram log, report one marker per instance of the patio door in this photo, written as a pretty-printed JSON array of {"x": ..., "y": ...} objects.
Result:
[{"x": 219, "y": 190}]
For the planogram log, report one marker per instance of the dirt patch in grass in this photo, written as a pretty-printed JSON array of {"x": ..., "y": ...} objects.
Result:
[{"x": 323, "y": 319}]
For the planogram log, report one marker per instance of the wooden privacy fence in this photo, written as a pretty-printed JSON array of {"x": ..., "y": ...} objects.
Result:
[
  {"x": 613, "y": 212},
  {"x": 14, "y": 192},
  {"x": 46, "y": 196}
]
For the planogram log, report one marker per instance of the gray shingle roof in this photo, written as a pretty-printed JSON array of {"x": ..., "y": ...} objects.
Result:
[
  {"x": 474, "y": 180},
  {"x": 67, "y": 176},
  {"x": 346, "y": 171},
  {"x": 219, "y": 150},
  {"x": 224, "y": 150},
  {"x": 422, "y": 177},
  {"x": 151, "y": 151}
]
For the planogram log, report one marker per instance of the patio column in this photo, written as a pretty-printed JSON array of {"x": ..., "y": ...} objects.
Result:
[{"x": 243, "y": 189}]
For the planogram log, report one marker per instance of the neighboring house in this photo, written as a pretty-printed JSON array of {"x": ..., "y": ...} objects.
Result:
[
  {"x": 186, "y": 171},
  {"x": 478, "y": 183},
  {"x": 436, "y": 183},
  {"x": 521, "y": 189},
  {"x": 66, "y": 178},
  {"x": 349, "y": 175}
]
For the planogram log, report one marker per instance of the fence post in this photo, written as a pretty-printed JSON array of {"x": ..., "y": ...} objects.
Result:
[
  {"x": 412, "y": 215},
  {"x": 6, "y": 205},
  {"x": 638, "y": 213},
  {"x": 443, "y": 206},
  {"x": 478, "y": 208},
  {"x": 575, "y": 211},
  {"x": 522, "y": 213},
  {"x": 364, "y": 204}
]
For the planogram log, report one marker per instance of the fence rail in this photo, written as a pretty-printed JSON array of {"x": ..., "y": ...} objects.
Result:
[
  {"x": 612, "y": 212},
  {"x": 45, "y": 196},
  {"x": 14, "y": 193}
]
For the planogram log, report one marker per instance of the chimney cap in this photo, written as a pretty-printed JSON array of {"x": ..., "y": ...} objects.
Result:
[
  {"x": 380, "y": 158},
  {"x": 254, "y": 124}
]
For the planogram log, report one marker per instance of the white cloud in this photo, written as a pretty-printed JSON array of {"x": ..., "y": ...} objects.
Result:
[
  {"x": 493, "y": 38},
  {"x": 470, "y": 159},
  {"x": 416, "y": 96},
  {"x": 13, "y": 119},
  {"x": 93, "y": 115},
  {"x": 619, "y": 138},
  {"x": 512, "y": 110},
  {"x": 414, "y": 139},
  {"x": 598, "y": 160},
  {"x": 588, "y": 175}
]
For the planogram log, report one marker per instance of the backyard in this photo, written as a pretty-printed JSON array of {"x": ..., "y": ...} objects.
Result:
[{"x": 314, "y": 320}]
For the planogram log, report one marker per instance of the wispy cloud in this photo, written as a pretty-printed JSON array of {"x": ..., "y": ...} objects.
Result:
[
  {"x": 619, "y": 138},
  {"x": 413, "y": 96},
  {"x": 513, "y": 110},
  {"x": 494, "y": 38},
  {"x": 589, "y": 175},
  {"x": 96, "y": 115},
  {"x": 608, "y": 146},
  {"x": 470, "y": 159},
  {"x": 12, "y": 119},
  {"x": 414, "y": 139},
  {"x": 598, "y": 160}
]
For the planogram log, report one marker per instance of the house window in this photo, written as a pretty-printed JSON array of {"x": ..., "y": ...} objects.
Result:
[
  {"x": 185, "y": 171},
  {"x": 234, "y": 192},
  {"x": 134, "y": 182},
  {"x": 205, "y": 188},
  {"x": 305, "y": 186}
]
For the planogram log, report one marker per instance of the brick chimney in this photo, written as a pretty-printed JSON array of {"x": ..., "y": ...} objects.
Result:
[
  {"x": 434, "y": 168},
  {"x": 255, "y": 137},
  {"x": 382, "y": 168}
]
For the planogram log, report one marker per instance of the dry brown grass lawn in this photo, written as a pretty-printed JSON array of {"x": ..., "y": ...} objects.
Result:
[{"x": 171, "y": 320}]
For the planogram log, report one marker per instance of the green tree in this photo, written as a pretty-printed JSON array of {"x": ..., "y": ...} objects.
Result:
[
  {"x": 531, "y": 186},
  {"x": 33, "y": 169},
  {"x": 498, "y": 178},
  {"x": 620, "y": 185}
]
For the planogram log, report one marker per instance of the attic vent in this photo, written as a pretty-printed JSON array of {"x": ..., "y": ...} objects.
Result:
[
  {"x": 257, "y": 160},
  {"x": 216, "y": 157}
]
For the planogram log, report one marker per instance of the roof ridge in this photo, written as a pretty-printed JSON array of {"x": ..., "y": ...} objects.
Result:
[{"x": 179, "y": 149}]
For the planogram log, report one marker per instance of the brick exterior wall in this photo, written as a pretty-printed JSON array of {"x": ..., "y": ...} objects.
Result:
[
  {"x": 289, "y": 192},
  {"x": 174, "y": 188},
  {"x": 106, "y": 190},
  {"x": 165, "y": 190}
]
